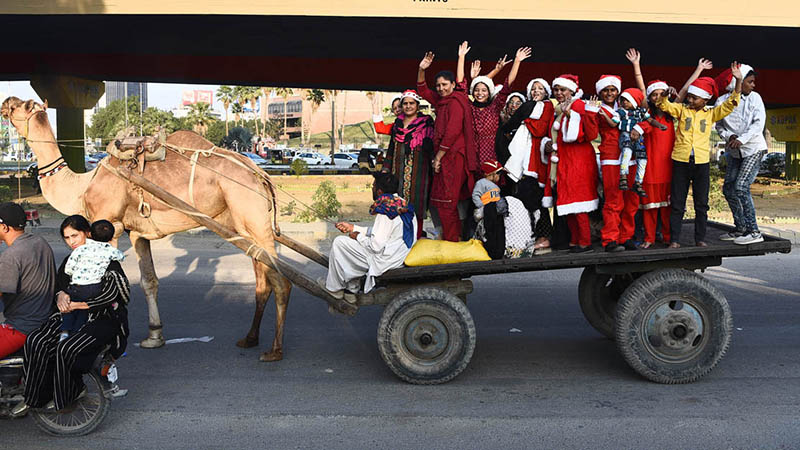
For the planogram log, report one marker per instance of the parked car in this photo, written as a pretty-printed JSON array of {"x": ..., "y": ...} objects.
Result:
[
  {"x": 260, "y": 162},
  {"x": 312, "y": 158},
  {"x": 91, "y": 161},
  {"x": 772, "y": 165},
  {"x": 348, "y": 160}
]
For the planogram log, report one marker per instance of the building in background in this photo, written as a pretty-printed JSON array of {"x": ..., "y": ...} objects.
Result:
[
  {"x": 191, "y": 97},
  {"x": 115, "y": 90}
]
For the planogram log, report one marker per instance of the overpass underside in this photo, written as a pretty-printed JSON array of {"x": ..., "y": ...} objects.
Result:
[{"x": 377, "y": 53}]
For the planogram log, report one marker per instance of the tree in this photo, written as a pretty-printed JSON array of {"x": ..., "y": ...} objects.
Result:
[
  {"x": 199, "y": 117},
  {"x": 331, "y": 94},
  {"x": 316, "y": 97},
  {"x": 236, "y": 109},
  {"x": 285, "y": 93},
  {"x": 265, "y": 93},
  {"x": 239, "y": 139},
  {"x": 108, "y": 121},
  {"x": 225, "y": 95},
  {"x": 250, "y": 94}
]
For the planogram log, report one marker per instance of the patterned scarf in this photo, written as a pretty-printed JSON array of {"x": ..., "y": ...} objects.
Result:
[
  {"x": 392, "y": 206},
  {"x": 415, "y": 133}
]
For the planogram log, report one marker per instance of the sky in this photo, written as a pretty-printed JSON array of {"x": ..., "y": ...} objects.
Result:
[{"x": 161, "y": 95}]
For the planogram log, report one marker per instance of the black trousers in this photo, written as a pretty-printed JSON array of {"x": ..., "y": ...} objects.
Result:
[{"x": 684, "y": 174}]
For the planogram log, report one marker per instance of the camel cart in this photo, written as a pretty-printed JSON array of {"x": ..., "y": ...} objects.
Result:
[{"x": 670, "y": 324}]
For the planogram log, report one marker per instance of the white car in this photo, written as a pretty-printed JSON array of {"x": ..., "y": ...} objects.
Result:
[
  {"x": 347, "y": 160},
  {"x": 312, "y": 158}
]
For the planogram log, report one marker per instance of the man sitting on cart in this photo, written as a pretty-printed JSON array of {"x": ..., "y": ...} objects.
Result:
[{"x": 372, "y": 251}]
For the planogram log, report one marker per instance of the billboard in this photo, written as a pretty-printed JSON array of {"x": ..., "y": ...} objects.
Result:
[{"x": 190, "y": 97}]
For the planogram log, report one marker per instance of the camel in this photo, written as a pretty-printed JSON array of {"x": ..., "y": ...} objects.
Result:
[{"x": 246, "y": 205}]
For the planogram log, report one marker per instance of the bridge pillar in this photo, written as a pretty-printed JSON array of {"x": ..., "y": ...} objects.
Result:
[{"x": 69, "y": 96}]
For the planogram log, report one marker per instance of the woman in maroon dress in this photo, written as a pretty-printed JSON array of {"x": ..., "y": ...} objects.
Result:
[{"x": 454, "y": 160}]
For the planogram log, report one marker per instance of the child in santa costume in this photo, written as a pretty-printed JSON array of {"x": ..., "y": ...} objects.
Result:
[
  {"x": 619, "y": 207},
  {"x": 745, "y": 145},
  {"x": 529, "y": 163},
  {"x": 631, "y": 142},
  {"x": 576, "y": 174},
  {"x": 692, "y": 148}
]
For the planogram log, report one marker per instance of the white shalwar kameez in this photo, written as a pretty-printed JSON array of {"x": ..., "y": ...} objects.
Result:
[{"x": 374, "y": 251}]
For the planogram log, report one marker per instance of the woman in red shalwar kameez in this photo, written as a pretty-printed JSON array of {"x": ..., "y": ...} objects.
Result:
[
  {"x": 455, "y": 159},
  {"x": 487, "y": 103},
  {"x": 576, "y": 175}
]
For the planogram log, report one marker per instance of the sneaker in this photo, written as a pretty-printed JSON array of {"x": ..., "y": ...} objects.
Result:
[
  {"x": 749, "y": 238},
  {"x": 730, "y": 236},
  {"x": 19, "y": 410},
  {"x": 117, "y": 392},
  {"x": 613, "y": 247},
  {"x": 579, "y": 249},
  {"x": 63, "y": 336}
]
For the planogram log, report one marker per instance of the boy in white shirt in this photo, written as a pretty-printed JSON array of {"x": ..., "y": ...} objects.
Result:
[{"x": 743, "y": 132}]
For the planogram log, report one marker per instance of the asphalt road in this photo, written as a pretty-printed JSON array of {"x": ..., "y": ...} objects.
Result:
[{"x": 555, "y": 384}]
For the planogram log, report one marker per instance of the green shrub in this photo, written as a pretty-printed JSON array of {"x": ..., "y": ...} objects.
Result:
[
  {"x": 324, "y": 204},
  {"x": 299, "y": 167},
  {"x": 289, "y": 209},
  {"x": 5, "y": 194}
]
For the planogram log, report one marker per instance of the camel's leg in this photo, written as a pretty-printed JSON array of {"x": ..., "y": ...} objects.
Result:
[
  {"x": 263, "y": 290},
  {"x": 149, "y": 282},
  {"x": 282, "y": 288}
]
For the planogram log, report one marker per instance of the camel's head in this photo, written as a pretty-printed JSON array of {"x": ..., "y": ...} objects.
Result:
[{"x": 19, "y": 112}]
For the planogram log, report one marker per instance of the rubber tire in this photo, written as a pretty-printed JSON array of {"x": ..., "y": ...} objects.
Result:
[
  {"x": 599, "y": 301},
  {"x": 446, "y": 307},
  {"x": 89, "y": 426},
  {"x": 648, "y": 290}
]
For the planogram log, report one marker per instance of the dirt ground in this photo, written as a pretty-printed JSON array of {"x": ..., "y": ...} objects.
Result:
[{"x": 776, "y": 201}]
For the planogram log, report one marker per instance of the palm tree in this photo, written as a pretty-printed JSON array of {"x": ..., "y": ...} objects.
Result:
[
  {"x": 199, "y": 117},
  {"x": 265, "y": 93},
  {"x": 316, "y": 97},
  {"x": 250, "y": 94},
  {"x": 236, "y": 109},
  {"x": 331, "y": 94},
  {"x": 225, "y": 95},
  {"x": 285, "y": 93}
]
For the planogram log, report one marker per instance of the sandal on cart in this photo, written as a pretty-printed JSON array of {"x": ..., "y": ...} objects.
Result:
[{"x": 645, "y": 245}]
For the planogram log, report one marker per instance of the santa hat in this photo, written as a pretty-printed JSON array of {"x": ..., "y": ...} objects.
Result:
[
  {"x": 656, "y": 85},
  {"x": 725, "y": 80},
  {"x": 633, "y": 95},
  {"x": 410, "y": 93},
  {"x": 703, "y": 87},
  {"x": 541, "y": 81},
  {"x": 493, "y": 90},
  {"x": 568, "y": 81},
  {"x": 491, "y": 166},
  {"x": 395, "y": 98},
  {"x": 608, "y": 80},
  {"x": 515, "y": 94}
]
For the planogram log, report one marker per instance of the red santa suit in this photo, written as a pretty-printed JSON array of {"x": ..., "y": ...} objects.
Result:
[
  {"x": 527, "y": 148},
  {"x": 619, "y": 207},
  {"x": 576, "y": 175},
  {"x": 658, "y": 177},
  {"x": 452, "y": 135}
]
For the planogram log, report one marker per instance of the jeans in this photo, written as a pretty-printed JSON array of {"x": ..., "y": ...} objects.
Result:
[
  {"x": 684, "y": 174},
  {"x": 739, "y": 175}
]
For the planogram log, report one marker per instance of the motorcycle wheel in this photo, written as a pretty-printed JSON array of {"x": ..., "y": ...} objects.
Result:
[{"x": 80, "y": 418}]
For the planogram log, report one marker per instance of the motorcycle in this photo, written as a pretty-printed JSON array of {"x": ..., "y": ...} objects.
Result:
[{"x": 78, "y": 419}]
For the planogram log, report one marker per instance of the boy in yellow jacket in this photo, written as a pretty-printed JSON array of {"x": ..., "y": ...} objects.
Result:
[{"x": 690, "y": 155}]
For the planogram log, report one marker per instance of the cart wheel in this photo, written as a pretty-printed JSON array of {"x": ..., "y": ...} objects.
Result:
[
  {"x": 673, "y": 326},
  {"x": 426, "y": 336},
  {"x": 598, "y": 294}
]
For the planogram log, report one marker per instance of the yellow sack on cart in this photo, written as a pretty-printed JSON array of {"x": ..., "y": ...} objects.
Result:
[{"x": 427, "y": 252}]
